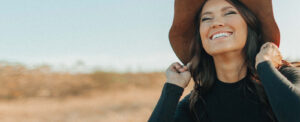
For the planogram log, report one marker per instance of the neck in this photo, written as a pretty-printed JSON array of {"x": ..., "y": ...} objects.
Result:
[{"x": 229, "y": 67}]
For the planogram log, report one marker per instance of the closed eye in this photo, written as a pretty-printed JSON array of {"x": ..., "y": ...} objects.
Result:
[
  {"x": 204, "y": 19},
  {"x": 230, "y": 12}
]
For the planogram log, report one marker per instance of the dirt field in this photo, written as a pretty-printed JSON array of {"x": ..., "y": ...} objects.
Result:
[
  {"x": 131, "y": 105},
  {"x": 39, "y": 95}
]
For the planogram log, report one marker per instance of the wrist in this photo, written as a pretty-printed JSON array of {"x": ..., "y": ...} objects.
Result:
[
  {"x": 261, "y": 61},
  {"x": 177, "y": 84}
]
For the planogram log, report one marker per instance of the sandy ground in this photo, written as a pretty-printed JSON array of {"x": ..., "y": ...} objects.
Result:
[{"x": 129, "y": 105}]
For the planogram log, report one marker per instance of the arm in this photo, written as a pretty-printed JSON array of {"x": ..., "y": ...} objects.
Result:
[
  {"x": 167, "y": 109},
  {"x": 283, "y": 91}
]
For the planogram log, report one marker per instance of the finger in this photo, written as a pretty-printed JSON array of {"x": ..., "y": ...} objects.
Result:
[
  {"x": 268, "y": 45},
  {"x": 173, "y": 69},
  {"x": 276, "y": 51},
  {"x": 182, "y": 70},
  {"x": 188, "y": 65},
  {"x": 267, "y": 49},
  {"x": 185, "y": 67},
  {"x": 177, "y": 65},
  {"x": 186, "y": 74},
  {"x": 278, "y": 63},
  {"x": 274, "y": 45},
  {"x": 277, "y": 58},
  {"x": 173, "y": 66},
  {"x": 265, "y": 45}
]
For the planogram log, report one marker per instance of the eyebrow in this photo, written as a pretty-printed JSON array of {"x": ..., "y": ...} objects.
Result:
[{"x": 223, "y": 9}]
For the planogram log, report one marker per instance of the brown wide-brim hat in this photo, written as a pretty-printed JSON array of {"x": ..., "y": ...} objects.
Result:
[{"x": 182, "y": 31}]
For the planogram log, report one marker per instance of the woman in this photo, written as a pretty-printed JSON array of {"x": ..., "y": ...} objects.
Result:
[{"x": 235, "y": 63}]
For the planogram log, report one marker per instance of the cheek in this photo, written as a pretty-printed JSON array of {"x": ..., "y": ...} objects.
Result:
[
  {"x": 241, "y": 27},
  {"x": 203, "y": 31},
  {"x": 203, "y": 34}
]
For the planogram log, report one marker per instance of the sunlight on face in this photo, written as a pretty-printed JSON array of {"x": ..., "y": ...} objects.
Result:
[{"x": 222, "y": 28}]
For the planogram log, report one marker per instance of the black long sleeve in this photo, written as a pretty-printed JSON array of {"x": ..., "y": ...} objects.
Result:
[
  {"x": 225, "y": 102},
  {"x": 283, "y": 92},
  {"x": 167, "y": 104}
]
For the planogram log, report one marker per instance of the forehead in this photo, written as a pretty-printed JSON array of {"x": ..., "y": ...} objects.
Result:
[{"x": 215, "y": 5}]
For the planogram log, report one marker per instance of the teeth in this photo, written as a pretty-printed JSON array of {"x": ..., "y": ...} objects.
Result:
[{"x": 220, "y": 35}]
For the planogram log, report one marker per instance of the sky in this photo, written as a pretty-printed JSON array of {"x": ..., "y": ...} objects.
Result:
[{"x": 111, "y": 35}]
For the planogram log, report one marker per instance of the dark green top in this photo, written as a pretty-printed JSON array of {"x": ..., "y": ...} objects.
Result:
[{"x": 231, "y": 102}]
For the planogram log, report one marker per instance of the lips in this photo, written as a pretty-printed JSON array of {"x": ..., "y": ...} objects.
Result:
[{"x": 219, "y": 34}]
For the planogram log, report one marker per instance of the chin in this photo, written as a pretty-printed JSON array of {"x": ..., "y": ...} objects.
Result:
[{"x": 220, "y": 51}]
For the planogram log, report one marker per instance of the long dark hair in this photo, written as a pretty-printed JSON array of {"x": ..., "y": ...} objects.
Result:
[{"x": 203, "y": 69}]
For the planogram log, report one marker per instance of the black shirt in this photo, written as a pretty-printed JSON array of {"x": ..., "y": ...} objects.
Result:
[{"x": 230, "y": 102}]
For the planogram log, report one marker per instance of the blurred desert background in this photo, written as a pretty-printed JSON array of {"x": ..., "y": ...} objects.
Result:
[
  {"x": 41, "y": 95},
  {"x": 95, "y": 60}
]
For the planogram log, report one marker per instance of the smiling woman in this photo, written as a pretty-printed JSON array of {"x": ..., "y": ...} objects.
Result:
[
  {"x": 230, "y": 49},
  {"x": 222, "y": 28}
]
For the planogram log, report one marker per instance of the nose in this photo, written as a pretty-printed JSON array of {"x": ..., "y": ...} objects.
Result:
[{"x": 217, "y": 23}]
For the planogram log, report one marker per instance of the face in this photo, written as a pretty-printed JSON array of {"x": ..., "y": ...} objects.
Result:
[{"x": 222, "y": 28}]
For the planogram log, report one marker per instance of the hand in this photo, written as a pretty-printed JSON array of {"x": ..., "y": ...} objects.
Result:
[
  {"x": 178, "y": 74},
  {"x": 269, "y": 52}
]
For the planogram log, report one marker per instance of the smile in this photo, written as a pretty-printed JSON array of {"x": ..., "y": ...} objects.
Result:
[{"x": 220, "y": 35}]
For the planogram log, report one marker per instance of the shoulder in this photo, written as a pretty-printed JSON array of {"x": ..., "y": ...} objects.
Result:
[
  {"x": 292, "y": 73},
  {"x": 186, "y": 100},
  {"x": 184, "y": 104}
]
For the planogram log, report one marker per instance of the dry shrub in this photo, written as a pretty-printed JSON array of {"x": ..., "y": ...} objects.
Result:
[
  {"x": 17, "y": 82},
  {"x": 109, "y": 80},
  {"x": 20, "y": 82}
]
